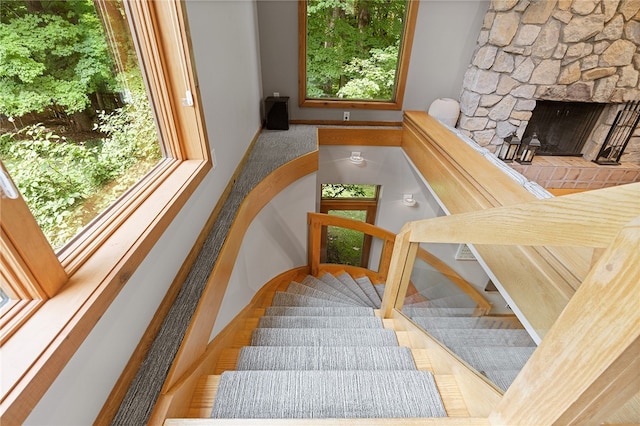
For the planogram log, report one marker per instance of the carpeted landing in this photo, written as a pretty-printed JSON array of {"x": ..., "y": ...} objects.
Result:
[{"x": 318, "y": 353}]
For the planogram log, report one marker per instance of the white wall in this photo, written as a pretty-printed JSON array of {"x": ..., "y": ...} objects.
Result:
[
  {"x": 445, "y": 39},
  {"x": 389, "y": 167},
  {"x": 275, "y": 242},
  {"x": 224, "y": 35}
]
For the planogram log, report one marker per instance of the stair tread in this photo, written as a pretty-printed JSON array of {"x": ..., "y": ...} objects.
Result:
[
  {"x": 501, "y": 378},
  {"x": 412, "y": 311},
  {"x": 495, "y": 358},
  {"x": 323, "y": 336},
  {"x": 301, "y": 289},
  {"x": 319, "y": 322},
  {"x": 482, "y": 337},
  {"x": 330, "y": 279},
  {"x": 293, "y": 300},
  {"x": 366, "y": 286},
  {"x": 325, "y": 358},
  {"x": 327, "y": 394},
  {"x": 348, "y": 281},
  {"x": 350, "y": 311},
  {"x": 313, "y": 282},
  {"x": 454, "y": 322}
]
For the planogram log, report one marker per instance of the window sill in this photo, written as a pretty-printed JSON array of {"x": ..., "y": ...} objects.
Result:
[{"x": 34, "y": 355}]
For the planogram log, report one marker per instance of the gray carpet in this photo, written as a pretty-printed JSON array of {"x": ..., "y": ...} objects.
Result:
[
  {"x": 272, "y": 150},
  {"x": 327, "y": 394},
  {"x": 319, "y": 311},
  {"x": 353, "y": 286},
  {"x": 323, "y": 337},
  {"x": 325, "y": 358},
  {"x": 303, "y": 290},
  {"x": 319, "y": 322},
  {"x": 289, "y": 299}
]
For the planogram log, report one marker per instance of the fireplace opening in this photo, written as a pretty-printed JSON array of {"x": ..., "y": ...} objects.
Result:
[{"x": 563, "y": 127}]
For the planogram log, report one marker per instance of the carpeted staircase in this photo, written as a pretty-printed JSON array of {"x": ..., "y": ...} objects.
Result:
[{"x": 320, "y": 352}]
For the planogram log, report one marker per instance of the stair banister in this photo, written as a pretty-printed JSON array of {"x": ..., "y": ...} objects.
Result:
[
  {"x": 317, "y": 220},
  {"x": 591, "y": 375}
]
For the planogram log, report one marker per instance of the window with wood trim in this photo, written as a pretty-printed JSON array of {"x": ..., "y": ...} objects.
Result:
[
  {"x": 53, "y": 294},
  {"x": 354, "y": 54}
]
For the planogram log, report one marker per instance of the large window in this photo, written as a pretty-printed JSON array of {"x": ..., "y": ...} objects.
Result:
[
  {"x": 355, "y": 52},
  {"x": 80, "y": 126},
  {"x": 55, "y": 298}
]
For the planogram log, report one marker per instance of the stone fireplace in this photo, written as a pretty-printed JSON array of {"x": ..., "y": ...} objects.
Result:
[{"x": 580, "y": 51}]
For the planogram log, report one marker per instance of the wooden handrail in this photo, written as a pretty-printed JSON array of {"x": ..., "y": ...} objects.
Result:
[{"x": 318, "y": 220}]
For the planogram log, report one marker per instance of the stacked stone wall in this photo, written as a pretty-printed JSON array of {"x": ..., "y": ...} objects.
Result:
[{"x": 563, "y": 50}]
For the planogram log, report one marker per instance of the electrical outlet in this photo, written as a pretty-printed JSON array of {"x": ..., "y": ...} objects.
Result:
[{"x": 345, "y": 116}]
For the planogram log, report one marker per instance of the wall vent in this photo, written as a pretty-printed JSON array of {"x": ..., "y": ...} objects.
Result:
[{"x": 464, "y": 253}]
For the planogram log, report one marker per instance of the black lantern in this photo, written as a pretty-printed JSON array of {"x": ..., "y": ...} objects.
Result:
[
  {"x": 509, "y": 148},
  {"x": 528, "y": 149}
]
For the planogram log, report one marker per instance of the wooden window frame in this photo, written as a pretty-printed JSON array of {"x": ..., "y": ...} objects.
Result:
[
  {"x": 370, "y": 205},
  {"x": 401, "y": 76},
  {"x": 57, "y": 298}
]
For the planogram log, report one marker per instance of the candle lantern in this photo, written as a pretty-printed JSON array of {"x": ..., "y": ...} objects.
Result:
[
  {"x": 528, "y": 149},
  {"x": 507, "y": 151}
]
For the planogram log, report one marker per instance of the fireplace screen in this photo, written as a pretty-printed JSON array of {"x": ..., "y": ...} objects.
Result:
[{"x": 563, "y": 127}]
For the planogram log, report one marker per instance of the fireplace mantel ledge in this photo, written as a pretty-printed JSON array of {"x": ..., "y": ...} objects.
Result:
[{"x": 531, "y": 186}]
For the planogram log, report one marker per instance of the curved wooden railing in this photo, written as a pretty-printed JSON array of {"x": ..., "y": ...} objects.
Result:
[{"x": 317, "y": 221}]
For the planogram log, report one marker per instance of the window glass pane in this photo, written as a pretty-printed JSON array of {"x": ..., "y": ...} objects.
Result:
[
  {"x": 345, "y": 246},
  {"x": 77, "y": 129},
  {"x": 343, "y": 190},
  {"x": 353, "y": 47}
]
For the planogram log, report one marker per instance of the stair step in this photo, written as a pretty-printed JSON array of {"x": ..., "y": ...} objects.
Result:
[
  {"x": 380, "y": 290},
  {"x": 331, "y": 280},
  {"x": 348, "y": 281},
  {"x": 482, "y": 337},
  {"x": 319, "y": 311},
  {"x": 327, "y": 394},
  {"x": 319, "y": 322},
  {"x": 501, "y": 378},
  {"x": 315, "y": 283},
  {"x": 368, "y": 288},
  {"x": 413, "y": 312},
  {"x": 292, "y": 300},
  {"x": 323, "y": 337},
  {"x": 457, "y": 301},
  {"x": 297, "y": 288},
  {"x": 495, "y": 358},
  {"x": 325, "y": 358},
  {"x": 429, "y": 323}
]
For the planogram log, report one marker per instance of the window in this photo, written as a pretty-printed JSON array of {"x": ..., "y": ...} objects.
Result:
[
  {"x": 351, "y": 201},
  {"x": 355, "y": 53},
  {"x": 90, "y": 134},
  {"x": 55, "y": 298}
]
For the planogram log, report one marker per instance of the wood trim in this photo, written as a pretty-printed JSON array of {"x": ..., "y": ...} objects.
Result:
[
  {"x": 596, "y": 216},
  {"x": 197, "y": 336},
  {"x": 117, "y": 394},
  {"x": 364, "y": 137},
  {"x": 351, "y": 123},
  {"x": 39, "y": 350},
  {"x": 399, "y": 272},
  {"x": 595, "y": 371},
  {"x": 401, "y": 74},
  {"x": 26, "y": 253}
]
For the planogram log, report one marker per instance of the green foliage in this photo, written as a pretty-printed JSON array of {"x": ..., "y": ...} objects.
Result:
[
  {"x": 57, "y": 176},
  {"x": 344, "y": 190},
  {"x": 344, "y": 246},
  {"x": 353, "y": 41},
  {"x": 54, "y": 55}
]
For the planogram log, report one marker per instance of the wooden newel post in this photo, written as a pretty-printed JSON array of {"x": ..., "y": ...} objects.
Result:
[
  {"x": 402, "y": 260},
  {"x": 313, "y": 248}
]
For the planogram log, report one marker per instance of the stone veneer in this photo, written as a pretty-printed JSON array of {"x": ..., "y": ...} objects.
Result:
[{"x": 564, "y": 50}]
